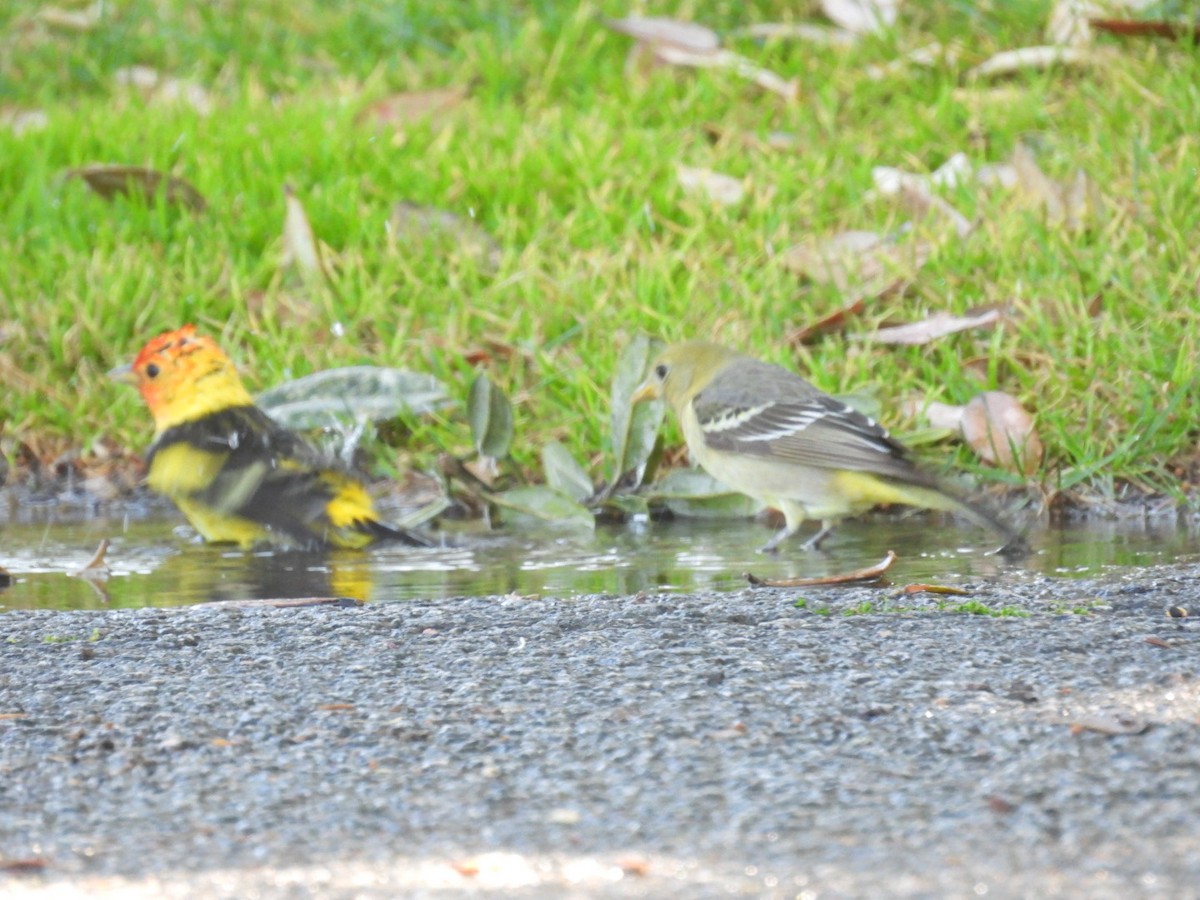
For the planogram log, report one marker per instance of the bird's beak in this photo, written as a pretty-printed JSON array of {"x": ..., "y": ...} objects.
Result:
[
  {"x": 123, "y": 374},
  {"x": 647, "y": 390}
]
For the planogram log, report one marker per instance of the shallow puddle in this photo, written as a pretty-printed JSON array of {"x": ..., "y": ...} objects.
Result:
[{"x": 158, "y": 562}]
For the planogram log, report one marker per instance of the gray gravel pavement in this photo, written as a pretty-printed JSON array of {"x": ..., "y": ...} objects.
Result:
[{"x": 687, "y": 746}]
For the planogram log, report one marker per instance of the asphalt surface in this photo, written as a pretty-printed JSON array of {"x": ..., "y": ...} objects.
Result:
[{"x": 692, "y": 746}]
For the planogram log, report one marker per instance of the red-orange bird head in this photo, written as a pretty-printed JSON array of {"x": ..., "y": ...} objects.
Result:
[{"x": 184, "y": 376}]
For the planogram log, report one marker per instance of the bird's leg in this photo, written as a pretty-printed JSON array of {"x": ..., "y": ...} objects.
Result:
[
  {"x": 814, "y": 542},
  {"x": 772, "y": 546}
]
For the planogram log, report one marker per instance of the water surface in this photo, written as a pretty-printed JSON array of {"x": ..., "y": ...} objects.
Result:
[{"x": 158, "y": 562}]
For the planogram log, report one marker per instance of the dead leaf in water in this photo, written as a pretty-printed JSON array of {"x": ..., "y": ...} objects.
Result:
[
  {"x": 110, "y": 180},
  {"x": 870, "y": 573}
]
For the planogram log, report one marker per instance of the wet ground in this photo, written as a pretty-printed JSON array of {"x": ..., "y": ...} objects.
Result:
[{"x": 640, "y": 727}]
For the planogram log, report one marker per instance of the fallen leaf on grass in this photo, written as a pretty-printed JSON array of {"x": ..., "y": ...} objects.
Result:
[
  {"x": 814, "y": 34},
  {"x": 1030, "y": 59},
  {"x": 415, "y": 222},
  {"x": 72, "y": 19},
  {"x": 926, "y": 206},
  {"x": 727, "y": 59},
  {"x": 834, "y": 321},
  {"x": 953, "y": 172},
  {"x": 870, "y": 573},
  {"x": 154, "y": 87},
  {"x": 110, "y": 180},
  {"x": 936, "y": 326},
  {"x": 724, "y": 189},
  {"x": 1068, "y": 25},
  {"x": 862, "y": 16},
  {"x": 1128, "y": 28},
  {"x": 1110, "y": 723},
  {"x": 860, "y": 259},
  {"x": 658, "y": 31},
  {"x": 1001, "y": 432},
  {"x": 695, "y": 46},
  {"x": 19, "y": 121},
  {"x": 926, "y": 56},
  {"x": 408, "y": 107},
  {"x": 300, "y": 247}
]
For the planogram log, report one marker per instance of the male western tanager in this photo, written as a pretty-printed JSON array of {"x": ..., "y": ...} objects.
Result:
[
  {"x": 235, "y": 473},
  {"x": 766, "y": 432}
]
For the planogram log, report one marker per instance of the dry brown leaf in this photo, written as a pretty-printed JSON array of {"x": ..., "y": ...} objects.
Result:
[
  {"x": 870, "y": 573},
  {"x": 862, "y": 16},
  {"x": 1129, "y": 28},
  {"x": 154, "y": 87},
  {"x": 20, "y": 121},
  {"x": 72, "y": 19},
  {"x": 110, "y": 180},
  {"x": 724, "y": 189},
  {"x": 413, "y": 106},
  {"x": 936, "y": 326},
  {"x": 1001, "y": 432},
  {"x": 834, "y": 321},
  {"x": 814, "y": 34},
  {"x": 1029, "y": 59},
  {"x": 299, "y": 244}
]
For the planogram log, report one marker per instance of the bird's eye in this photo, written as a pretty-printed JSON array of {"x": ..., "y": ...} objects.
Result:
[
  {"x": 152, "y": 371},
  {"x": 660, "y": 371}
]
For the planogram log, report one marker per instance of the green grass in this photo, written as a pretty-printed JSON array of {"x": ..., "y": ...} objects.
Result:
[{"x": 569, "y": 163}]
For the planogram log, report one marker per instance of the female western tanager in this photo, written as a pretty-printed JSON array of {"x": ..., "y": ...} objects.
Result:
[
  {"x": 768, "y": 433},
  {"x": 235, "y": 473}
]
